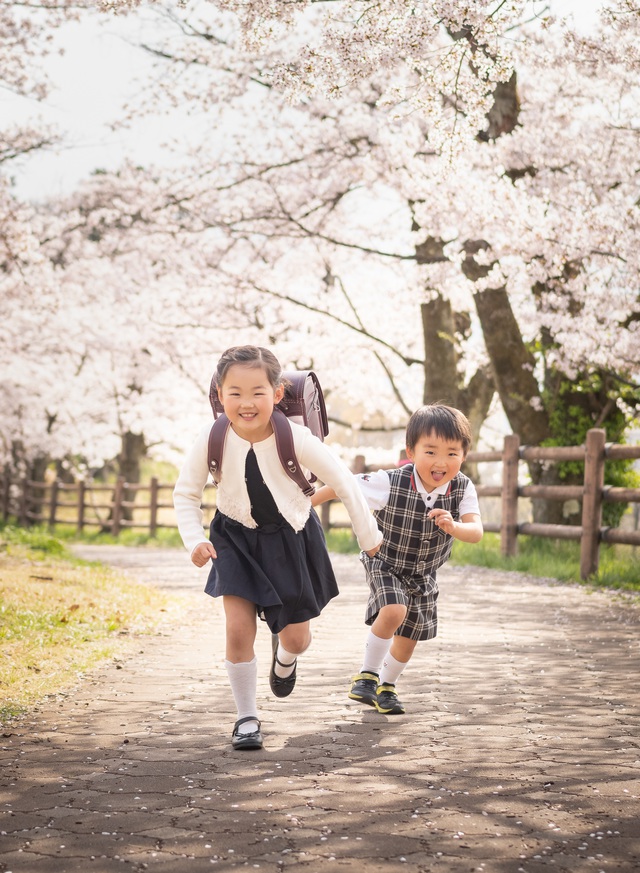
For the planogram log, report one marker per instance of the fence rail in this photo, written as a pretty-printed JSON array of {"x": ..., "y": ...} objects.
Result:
[
  {"x": 118, "y": 507},
  {"x": 593, "y": 493}
]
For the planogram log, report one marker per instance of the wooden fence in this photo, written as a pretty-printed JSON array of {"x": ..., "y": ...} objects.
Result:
[
  {"x": 111, "y": 508},
  {"x": 592, "y": 493},
  {"x": 123, "y": 505}
]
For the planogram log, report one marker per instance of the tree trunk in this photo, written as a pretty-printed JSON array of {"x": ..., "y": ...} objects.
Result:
[
  {"x": 133, "y": 450},
  {"x": 441, "y": 378},
  {"x": 513, "y": 366},
  {"x": 441, "y": 327}
]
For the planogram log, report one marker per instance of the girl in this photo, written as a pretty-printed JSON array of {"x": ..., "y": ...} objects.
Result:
[{"x": 268, "y": 549}]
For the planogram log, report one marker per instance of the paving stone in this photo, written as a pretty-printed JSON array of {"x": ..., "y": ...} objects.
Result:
[{"x": 519, "y": 751}]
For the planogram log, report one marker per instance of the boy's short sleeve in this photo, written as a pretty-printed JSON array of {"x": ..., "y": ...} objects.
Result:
[
  {"x": 375, "y": 488},
  {"x": 469, "y": 503}
]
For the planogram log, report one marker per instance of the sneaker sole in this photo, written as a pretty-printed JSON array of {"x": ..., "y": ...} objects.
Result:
[
  {"x": 367, "y": 700},
  {"x": 395, "y": 710}
]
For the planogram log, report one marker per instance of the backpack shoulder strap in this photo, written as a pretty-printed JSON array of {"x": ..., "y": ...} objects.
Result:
[
  {"x": 287, "y": 453},
  {"x": 215, "y": 449}
]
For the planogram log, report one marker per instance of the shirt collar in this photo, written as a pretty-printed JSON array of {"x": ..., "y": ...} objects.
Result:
[{"x": 440, "y": 490}]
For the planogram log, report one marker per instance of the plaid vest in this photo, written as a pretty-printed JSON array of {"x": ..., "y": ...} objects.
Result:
[{"x": 413, "y": 545}]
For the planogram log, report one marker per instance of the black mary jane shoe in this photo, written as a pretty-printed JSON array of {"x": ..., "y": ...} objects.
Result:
[
  {"x": 280, "y": 687},
  {"x": 246, "y": 741}
]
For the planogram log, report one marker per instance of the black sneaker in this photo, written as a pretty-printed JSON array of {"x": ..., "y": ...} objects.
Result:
[
  {"x": 387, "y": 701},
  {"x": 363, "y": 688}
]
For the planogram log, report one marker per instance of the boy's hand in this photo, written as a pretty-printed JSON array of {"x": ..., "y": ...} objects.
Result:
[
  {"x": 444, "y": 520},
  {"x": 202, "y": 553},
  {"x": 374, "y": 550}
]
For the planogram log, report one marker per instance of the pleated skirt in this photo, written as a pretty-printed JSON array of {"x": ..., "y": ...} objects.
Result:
[{"x": 287, "y": 575}]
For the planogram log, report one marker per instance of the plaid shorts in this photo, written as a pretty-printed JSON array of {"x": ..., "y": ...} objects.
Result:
[{"x": 419, "y": 595}]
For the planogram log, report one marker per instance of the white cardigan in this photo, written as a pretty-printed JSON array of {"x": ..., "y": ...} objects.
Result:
[{"x": 232, "y": 495}]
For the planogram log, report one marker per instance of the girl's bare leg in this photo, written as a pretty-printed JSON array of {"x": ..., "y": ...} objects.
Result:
[{"x": 241, "y": 624}]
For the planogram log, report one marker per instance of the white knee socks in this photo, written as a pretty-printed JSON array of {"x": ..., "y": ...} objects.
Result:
[
  {"x": 375, "y": 650},
  {"x": 243, "y": 679},
  {"x": 285, "y": 662},
  {"x": 391, "y": 669}
]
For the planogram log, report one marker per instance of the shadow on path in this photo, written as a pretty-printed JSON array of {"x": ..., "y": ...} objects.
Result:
[{"x": 519, "y": 750}]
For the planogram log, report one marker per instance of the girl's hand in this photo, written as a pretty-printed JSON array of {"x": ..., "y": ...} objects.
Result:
[
  {"x": 202, "y": 553},
  {"x": 444, "y": 520},
  {"x": 374, "y": 550}
]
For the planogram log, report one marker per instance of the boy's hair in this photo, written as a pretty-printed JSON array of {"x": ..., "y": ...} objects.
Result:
[
  {"x": 446, "y": 422},
  {"x": 250, "y": 356}
]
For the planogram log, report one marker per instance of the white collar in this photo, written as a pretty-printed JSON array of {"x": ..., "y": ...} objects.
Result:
[{"x": 440, "y": 490}]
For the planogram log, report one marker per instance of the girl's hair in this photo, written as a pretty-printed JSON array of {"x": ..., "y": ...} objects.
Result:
[
  {"x": 445, "y": 422},
  {"x": 249, "y": 356}
]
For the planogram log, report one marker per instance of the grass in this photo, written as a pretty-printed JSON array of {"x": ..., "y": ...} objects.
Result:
[
  {"x": 619, "y": 567},
  {"x": 60, "y": 616},
  {"x": 547, "y": 558},
  {"x": 167, "y": 537}
]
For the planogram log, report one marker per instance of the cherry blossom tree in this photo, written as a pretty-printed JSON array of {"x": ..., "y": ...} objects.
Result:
[
  {"x": 27, "y": 284},
  {"x": 530, "y": 266},
  {"x": 408, "y": 248}
]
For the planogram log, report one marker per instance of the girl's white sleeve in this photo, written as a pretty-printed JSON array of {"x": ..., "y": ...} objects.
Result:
[
  {"x": 187, "y": 494},
  {"x": 319, "y": 458}
]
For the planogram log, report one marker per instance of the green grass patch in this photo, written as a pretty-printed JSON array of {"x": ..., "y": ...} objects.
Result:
[
  {"x": 556, "y": 559},
  {"x": 342, "y": 541},
  {"x": 164, "y": 537},
  {"x": 60, "y": 616}
]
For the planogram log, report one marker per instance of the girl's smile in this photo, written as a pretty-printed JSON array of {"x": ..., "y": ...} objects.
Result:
[{"x": 248, "y": 399}]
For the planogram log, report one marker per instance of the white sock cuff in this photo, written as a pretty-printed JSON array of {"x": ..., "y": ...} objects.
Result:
[
  {"x": 242, "y": 666},
  {"x": 391, "y": 669},
  {"x": 375, "y": 649}
]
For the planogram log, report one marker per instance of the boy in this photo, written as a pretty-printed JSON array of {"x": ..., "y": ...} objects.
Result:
[{"x": 420, "y": 508}]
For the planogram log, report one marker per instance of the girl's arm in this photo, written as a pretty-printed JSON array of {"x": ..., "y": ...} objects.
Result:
[
  {"x": 187, "y": 500},
  {"x": 323, "y": 495},
  {"x": 315, "y": 455},
  {"x": 469, "y": 529}
]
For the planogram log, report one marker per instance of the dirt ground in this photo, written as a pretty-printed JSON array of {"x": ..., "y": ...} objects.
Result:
[{"x": 519, "y": 750}]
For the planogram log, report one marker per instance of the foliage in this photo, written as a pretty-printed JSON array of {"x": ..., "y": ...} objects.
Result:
[
  {"x": 388, "y": 174},
  {"x": 573, "y": 406}
]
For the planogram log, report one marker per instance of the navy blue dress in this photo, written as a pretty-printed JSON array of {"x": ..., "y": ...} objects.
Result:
[{"x": 287, "y": 574}]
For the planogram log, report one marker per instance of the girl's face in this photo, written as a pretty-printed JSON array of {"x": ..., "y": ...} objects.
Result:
[
  {"x": 248, "y": 399},
  {"x": 436, "y": 460}
]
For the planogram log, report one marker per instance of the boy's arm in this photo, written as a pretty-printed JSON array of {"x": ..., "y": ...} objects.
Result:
[
  {"x": 469, "y": 529},
  {"x": 323, "y": 495}
]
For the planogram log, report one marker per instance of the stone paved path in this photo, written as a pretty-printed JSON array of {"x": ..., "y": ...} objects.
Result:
[{"x": 519, "y": 750}]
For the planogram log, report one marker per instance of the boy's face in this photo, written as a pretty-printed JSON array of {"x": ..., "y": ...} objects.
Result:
[{"x": 436, "y": 460}]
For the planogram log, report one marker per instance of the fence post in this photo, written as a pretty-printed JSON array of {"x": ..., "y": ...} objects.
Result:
[
  {"x": 325, "y": 516},
  {"x": 23, "y": 508},
  {"x": 53, "y": 502},
  {"x": 509, "y": 525},
  {"x": 359, "y": 465},
  {"x": 116, "y": 515},
  {"x": 592, "y": 501},
  {"x": 6, "y": 493},
  {"x": 153, "y": 507},
  {"x": 81, "y": 502}
]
